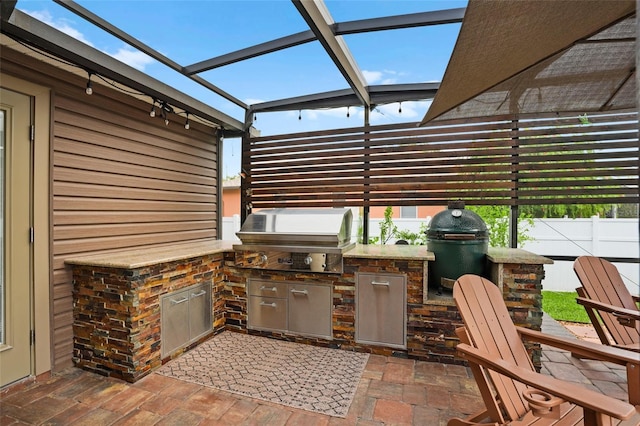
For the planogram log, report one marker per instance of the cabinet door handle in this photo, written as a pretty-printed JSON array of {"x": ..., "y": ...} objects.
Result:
[
  {"x": 198, "y": 294},
  {"x": 179, "y": 301},
  {"x": 380, "y": 283},
  {"x": 265, "y": 288},
  {"x": 271, "y": 305},
  {"x": 294, "y": 291}
]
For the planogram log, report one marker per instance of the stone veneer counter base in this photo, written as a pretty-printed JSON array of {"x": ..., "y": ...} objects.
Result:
[{"x": 117, "y": 300}]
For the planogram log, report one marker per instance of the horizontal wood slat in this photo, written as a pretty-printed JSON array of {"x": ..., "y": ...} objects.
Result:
[
  {"x": 82, "y": 190},
  {"x": 72, "y": 217},
  {"x": 63, "y": 174},
  {"x": 548, "y": 159},
  {"x": 73, "y": 161}
]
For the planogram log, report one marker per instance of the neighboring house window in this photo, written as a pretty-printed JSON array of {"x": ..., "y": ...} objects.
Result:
[{"x": 409, "y": 211}]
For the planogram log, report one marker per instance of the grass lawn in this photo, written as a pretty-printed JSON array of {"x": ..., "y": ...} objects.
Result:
[{"x": 562, "y": 306}]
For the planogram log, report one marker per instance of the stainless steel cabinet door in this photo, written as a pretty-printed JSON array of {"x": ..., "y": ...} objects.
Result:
[
  {"x": 175, "y": 321},
  {"x": 199, "y": 311},
  {"x": 310, "y": 309},
  {"x": 381, "y": 309}
]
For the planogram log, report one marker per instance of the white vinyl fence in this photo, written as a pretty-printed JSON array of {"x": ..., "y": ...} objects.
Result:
[{"x": 552, "y": 237}]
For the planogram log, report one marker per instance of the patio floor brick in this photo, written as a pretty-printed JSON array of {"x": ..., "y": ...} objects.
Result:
[{"x": 391, "y": 391}]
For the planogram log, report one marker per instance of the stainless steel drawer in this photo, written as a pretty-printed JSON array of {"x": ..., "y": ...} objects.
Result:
[
  {"x": 268, "y": 313},
  {"x": 267, "y": 288}
]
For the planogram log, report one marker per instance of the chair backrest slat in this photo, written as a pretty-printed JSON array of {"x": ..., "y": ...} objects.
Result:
[
  {"x": 491, "y": 330},
  {"x": 601, "y": 281}
]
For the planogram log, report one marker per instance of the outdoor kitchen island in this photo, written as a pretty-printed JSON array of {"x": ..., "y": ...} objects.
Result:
[
  {"x": 118, "y": 299},
  {"x": 428, "y": 319}
]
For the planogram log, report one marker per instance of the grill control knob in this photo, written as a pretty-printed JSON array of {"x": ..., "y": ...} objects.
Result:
[{"x": 263, "y": 258}]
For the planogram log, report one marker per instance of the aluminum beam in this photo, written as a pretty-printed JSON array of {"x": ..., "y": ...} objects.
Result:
[
  {"x": 380, "y": 94},
  {"x": 423, "y": 19},
  {"x": 447, "y": 16},
  {"x": 132, "y": 41},
  {"x": 33, "y": 32},
  {"x": 251, "y": 52},
  {"x": 6, "y": 8},
  {"x": 317, "y": 16}
]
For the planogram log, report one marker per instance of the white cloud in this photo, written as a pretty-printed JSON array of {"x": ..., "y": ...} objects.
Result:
[
  {"x": 59, "y": 24},
  {"x": 125, "y": 54},
  {"x": 382, "y": 77},
  {"x": 411, "y": 111},
  {"x": 371, "y": 76},
  {"x": 253, "y": 101},
  {"x": 133, "y": 58}
]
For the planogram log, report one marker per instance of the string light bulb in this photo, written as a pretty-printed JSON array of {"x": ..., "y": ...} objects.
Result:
[
  {"x": 400, "y": 108},
  {"x": 89, "y": 89},
  {"x": 348, "y": 115},
  {"x": 186, "y": 124},
  {"x": 152, "y": 113},
  {"x": 164, "y": 109},
  {"x": 300, "y": 115}
]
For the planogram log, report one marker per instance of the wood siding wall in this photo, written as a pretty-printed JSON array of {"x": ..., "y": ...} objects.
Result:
[
  {"x": 536, "y": 160},
  {"x": 120, "y": 179}
]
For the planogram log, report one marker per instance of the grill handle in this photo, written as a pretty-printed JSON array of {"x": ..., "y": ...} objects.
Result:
[
  {"x": 380, "y": 283},
  {"x": 294, "y": 291},
  {"x": 459, "y": 237}
]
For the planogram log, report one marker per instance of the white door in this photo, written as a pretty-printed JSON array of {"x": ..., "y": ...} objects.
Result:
[{"x": 15, "y": 247}]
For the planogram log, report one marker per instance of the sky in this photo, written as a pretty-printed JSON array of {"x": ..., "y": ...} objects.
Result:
[{"x": 189, "y": 31}]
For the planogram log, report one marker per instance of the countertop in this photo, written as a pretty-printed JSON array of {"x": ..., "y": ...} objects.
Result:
[
  {"x": 390, "y": 251},
  {"x": 513, "y": 255},
  {"x": 131, "y": 259},
  {"x": 138, "y": 258}
]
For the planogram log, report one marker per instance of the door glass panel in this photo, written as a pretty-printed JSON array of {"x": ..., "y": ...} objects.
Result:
[{"x": 2, "y": 180}]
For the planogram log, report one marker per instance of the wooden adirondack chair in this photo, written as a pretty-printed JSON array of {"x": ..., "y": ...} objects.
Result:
[
  {"x": 608, "y": 302},
  {"x": 513, "y": 392}
]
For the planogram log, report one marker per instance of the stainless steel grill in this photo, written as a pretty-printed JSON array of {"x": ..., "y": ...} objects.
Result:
[{"x": 295, "y": 239}]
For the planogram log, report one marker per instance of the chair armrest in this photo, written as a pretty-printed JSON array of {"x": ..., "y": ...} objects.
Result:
[
  {"x": 568, "y": 391},
  {"x": 625, "y": 316},
  {"x": 583, "y": 348}
]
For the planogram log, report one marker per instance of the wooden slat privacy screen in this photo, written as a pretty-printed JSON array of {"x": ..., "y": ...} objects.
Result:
[{"x": 549, "y": 159}]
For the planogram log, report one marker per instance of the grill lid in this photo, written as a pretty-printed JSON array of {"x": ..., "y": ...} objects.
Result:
[
  {"x": 457, "y": 223},
  {"x": 317, "y": 227}
]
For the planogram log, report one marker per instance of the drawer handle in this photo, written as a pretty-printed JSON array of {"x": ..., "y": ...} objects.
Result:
[
  {"x": 198, "y": 294},
  {"x": 271, "y": 305},
  {"x": 265, "y": 288},
  {"x": 380, "y": 283},
  {"x": 177, "y": 302},
  {"x": 294, "y": 291}
]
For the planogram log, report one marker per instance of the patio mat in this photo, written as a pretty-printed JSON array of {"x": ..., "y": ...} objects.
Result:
[{"x": 297, "y": 375}]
